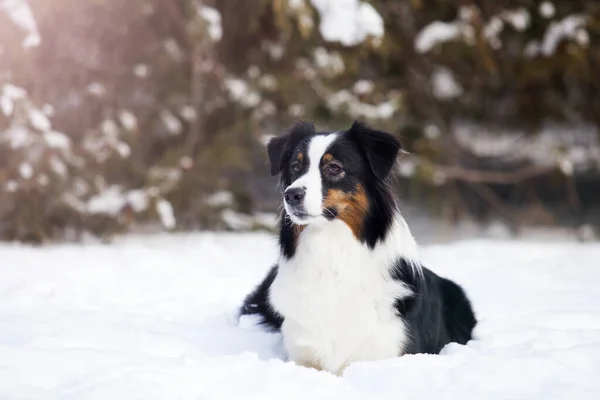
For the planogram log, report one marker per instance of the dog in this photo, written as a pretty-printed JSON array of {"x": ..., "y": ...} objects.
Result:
[{"x": 349, "y": 285}]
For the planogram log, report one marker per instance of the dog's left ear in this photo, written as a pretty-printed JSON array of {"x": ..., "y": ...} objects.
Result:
[
  {"x": 277, "y": 148},
  {"x": 380, "y": 148}
]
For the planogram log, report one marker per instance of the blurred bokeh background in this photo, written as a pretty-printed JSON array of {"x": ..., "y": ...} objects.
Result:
[{"x": 152, "y": 115}]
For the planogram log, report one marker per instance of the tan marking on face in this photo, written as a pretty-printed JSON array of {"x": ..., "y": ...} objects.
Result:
[
  {"x": 327, "y": 158},
  {"x": 300, "y": 156},
  {"x": 351, "y": 207}
]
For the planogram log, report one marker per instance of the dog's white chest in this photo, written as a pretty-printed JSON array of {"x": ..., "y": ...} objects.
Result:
[{"x": 337, "y": 298}]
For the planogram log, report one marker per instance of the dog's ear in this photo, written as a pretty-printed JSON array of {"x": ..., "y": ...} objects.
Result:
[
  {"x": 278, "y": 148},
  {"x": 275, "y": 149},
  {"x": 380, "y": 148}
]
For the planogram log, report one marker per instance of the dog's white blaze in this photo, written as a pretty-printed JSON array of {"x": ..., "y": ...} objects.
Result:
[
  {"x": 311, "y": 180},
  {"x": 337, "y": 296}
]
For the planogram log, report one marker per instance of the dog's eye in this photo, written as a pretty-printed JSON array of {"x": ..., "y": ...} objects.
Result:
[
  {"x": 295, "y": 167},
  {"x": 333, "y": 169}
]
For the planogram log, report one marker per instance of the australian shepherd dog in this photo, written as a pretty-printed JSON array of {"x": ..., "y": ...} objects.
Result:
[{"x": 349, "y": 284}]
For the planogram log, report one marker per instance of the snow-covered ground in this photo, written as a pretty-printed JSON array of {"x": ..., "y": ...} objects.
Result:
[{"x": 155, "y": 318}]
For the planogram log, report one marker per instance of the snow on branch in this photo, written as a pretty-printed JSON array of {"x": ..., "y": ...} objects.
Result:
[
  {"x": 349, "y": 22},
  {"x": 20, "y": 13}
]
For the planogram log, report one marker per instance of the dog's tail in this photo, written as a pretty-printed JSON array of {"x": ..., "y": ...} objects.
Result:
[
  {"x": 460, "y": 318},
  {"x": 257, "y": 303}
]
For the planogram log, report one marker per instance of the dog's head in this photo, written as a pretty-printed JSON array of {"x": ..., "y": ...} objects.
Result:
[{"x": 331, "y": 175}]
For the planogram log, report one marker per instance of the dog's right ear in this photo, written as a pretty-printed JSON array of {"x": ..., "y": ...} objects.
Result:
[
  {"x": 279, "y": 148},
  {"x": 380, "y": 148}
]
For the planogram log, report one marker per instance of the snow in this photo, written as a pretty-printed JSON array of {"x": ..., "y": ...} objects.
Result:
[
  {"x": 11, "y": 186},
  {"x": 266, "y": 138},
  {"x": 96, "y": 89},
  {"x": 569, "y": 27},
  {"x": 213, "y": 19},
  {"x": 123, "y": 149},
  {"x": 582, "y": 37},
  {"x": 519, "y": 18},
  {"x": 109, "y": 128},
  {"x": 13, "y": 92},
  {"x": 20, "y": 13},
  {"x": 265, "y": 219},
  {"x": 439, "y": 32},
  {"x": 173, "y": 49},
  {"x": 566, "y": 166},
  {"x": 253, "y": 72},
  {"x": 265, "y": 109},
  {"x": 444, "y": 85},
  {"x": 141, "y": 71},
  {"x": 8, "y": 94},
  {"x": 138, "y": 199},
  {"x": 113, "y": 199},
  {"x": 275, "y": 50},
  {"x": 236, "y": 220},
  {"x": 128, "y": 120},
  {"x": 7, "y": 105},
  {"x": 154, "y": 317},
  {"x": 166, "y": 214},
  {"x": 547, "y": 9},
  {"x": 186, "y": 162},
  {"x": 295, "y": 4},
  {"x": 48, "y": 109},
  {"x": 436, "y": 33},
  {"x": 579, "y": 143},
  {"x": 39, "y": 120},
  {"x": 349, "y": 22},
  {"x": 57, "y": 166},
  {"x": 17, "y": 137},
  {"x": 268, "y": 82},
  {"x": 57, "y": 140},
  {"x": 240, "y": 92},
  {"x": 331, "y": 62},
  {"x": 43, "y": 179},
  {"x": 25, "y": 170},
  {"x": 240, "y": 221},
  {"x": 363, "y": 87},
  {"x": 110, "y": 201},
  {"x": 171, "y": 122},
  {"x": 532, "y": 48},
  {"x": 296, "y": 110},
  {"x": 407, "y": 168},
  {"x": 220, "y": 198},
  {"x": 188, "y": 113},
  {"x": 344, "y": 100},
  {"x": 432, "y": 132}
]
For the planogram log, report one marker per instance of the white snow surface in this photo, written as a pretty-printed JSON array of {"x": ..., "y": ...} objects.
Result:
[{"x": 154, "y": 317}]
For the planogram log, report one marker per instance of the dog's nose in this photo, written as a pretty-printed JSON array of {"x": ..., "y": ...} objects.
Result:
[{"x": 294, "y": 196}]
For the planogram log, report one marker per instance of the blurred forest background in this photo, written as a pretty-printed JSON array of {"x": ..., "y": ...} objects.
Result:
[{"x": 154, "y": 114}]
